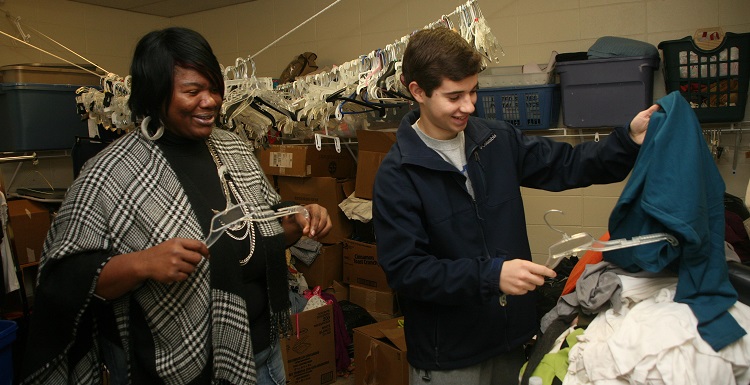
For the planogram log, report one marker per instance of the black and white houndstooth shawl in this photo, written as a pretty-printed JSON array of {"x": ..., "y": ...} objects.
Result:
[{"x": 127, "y": 199}]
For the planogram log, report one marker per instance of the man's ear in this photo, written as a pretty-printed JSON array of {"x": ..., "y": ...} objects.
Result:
[{"x": 417, "y": 92}]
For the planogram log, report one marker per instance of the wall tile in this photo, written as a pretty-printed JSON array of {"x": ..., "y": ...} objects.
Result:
[
  {"x": 549, "y": 27},
  {"x": 220, "y": 29},
  {"x": 291, "y": 13},
  {"x": 571, "y": 206},
  {"x": 383, "y": 16},
  {"x": 733, "y": 12},
  {"x": 341, "y": 20},
  {"x": 675, "y": 15},
  {"x": 596, "y": 210},
  {"x": 542, "y": 237},
  {"x": 509, "y": 56},
  {"x": 594, "y": 3},
  {"x": 505, "y": 30},
  {"x": 549, "y": 194},
  {"x": 541, "y": 52},
  {"x": 500, "y": 8},
  {"x": 374, "y": 40},
  {"x": 613, "y": 20},
  {"x": 532, "y": 7},
  {"x": 338, "y": 50},
  {"x": 421, "y": 13},
  {"x": 605, "y": 190}
]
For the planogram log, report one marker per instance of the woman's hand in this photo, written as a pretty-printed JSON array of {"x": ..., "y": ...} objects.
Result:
[
  {"x": 173, "y": 260},
  {"x": 318, "y": 225},
  {"x": 170, "y": 261}
]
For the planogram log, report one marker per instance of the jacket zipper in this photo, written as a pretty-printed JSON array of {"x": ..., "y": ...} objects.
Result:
[{"x": 475, "y": 153}]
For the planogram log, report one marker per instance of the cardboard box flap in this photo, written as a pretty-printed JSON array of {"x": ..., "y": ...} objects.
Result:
[
  {"x": 379, "y": 361},
  {"x": 396, "y": 336},
  {"x": 376, "y": 140},
  {"x": 391, "y": 327}
]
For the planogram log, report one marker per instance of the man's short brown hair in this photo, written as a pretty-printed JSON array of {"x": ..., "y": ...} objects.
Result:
[{"x": 435, "y": 54}]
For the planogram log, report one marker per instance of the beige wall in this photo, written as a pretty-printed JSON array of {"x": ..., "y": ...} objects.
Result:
[{"x": 528, "y": 31}]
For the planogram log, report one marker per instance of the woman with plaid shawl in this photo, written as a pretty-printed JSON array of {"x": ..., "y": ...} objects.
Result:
[{"x": 127, "y": 290}]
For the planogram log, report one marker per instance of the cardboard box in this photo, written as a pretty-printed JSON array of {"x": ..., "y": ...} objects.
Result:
[
  {"x": 309, "y": 354},
  {"x": 306, "y": 160},
  {"x": 373, "y": 146},
  {"x": 327, "y": 267},
  {"x": 380, "y": 317},
  {"x": 325, "y": 191},
  {"x": 338, "y": 290},
  {"x": 361, "y": 266},
  {"x": 29, "y": 223},
  {"x": 376, "y": 301},
  {"x": 380, "y": 354}
]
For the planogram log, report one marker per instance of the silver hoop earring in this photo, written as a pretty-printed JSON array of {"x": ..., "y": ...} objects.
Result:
[{"x": 144, "y": 129}]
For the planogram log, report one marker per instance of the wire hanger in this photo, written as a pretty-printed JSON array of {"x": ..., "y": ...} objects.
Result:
[
  {"x": 574, "y": 244},
  {"x": 247, "y": 212}
]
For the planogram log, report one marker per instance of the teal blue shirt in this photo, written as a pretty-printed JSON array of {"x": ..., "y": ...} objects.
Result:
[{"x": 675, "y": 187}]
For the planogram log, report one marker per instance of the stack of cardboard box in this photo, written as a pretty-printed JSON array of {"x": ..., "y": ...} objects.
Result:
[
  {"x": 28, "y": 224},
  {"x": 303, "y": 174},
  {"x": 368, "y": 286},
  {"x": 306, "y": 175}
]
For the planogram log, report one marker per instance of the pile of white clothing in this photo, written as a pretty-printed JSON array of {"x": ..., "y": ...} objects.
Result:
[{"x": 654, "y": 340}]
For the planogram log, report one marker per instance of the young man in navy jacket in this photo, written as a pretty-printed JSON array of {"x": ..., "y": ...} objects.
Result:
[{"x": 449, "y": 217}]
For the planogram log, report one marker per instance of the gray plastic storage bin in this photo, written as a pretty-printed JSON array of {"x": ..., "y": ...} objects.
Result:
[
  {"x": 39, "y": 117},
  {"x": 606, "y": 92}
]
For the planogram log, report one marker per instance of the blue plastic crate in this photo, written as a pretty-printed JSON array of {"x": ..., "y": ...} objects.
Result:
[{"x": 527, "y": 108}]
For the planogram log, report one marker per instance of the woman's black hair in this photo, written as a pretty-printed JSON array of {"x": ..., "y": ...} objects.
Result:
[{"x": 152, "y": 69}]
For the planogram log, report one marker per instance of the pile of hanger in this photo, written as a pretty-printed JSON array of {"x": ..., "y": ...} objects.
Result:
[{"x": 107, "y": 107}]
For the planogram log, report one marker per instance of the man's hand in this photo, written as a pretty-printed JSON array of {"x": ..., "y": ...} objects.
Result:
[
  {"x": 519, "y": 276},
  {"x": 639, "y": 124}
]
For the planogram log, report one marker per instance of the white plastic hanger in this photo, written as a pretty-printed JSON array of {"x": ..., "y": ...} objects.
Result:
[
  {"x": 247, "y": 212},
  {"x": 574, "y": 244}
]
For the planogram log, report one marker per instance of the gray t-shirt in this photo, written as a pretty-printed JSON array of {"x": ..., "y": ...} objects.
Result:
[{"x": 451, "y": 150}]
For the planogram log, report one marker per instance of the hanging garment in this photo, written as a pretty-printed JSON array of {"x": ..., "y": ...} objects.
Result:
[
  {"x": 676, "y": 188},
  {"x": 8, "y": 266}
]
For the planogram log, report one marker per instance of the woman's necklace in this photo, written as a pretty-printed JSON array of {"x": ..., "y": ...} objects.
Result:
[{"x": 230, "y": 190}]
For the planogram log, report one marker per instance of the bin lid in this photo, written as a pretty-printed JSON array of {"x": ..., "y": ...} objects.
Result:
[
  {"x": 50, "y": 73},
  {"x": 52, "y": 67}
]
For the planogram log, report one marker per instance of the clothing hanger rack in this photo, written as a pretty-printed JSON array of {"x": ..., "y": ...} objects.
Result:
[
  {"x": 472, "y": 27},
  {"x": 372, "y": 81},
  {"x": 108, "y": 107}
]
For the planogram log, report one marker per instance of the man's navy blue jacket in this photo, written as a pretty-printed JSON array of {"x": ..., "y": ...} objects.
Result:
[{"x": 443, "y": 250}]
